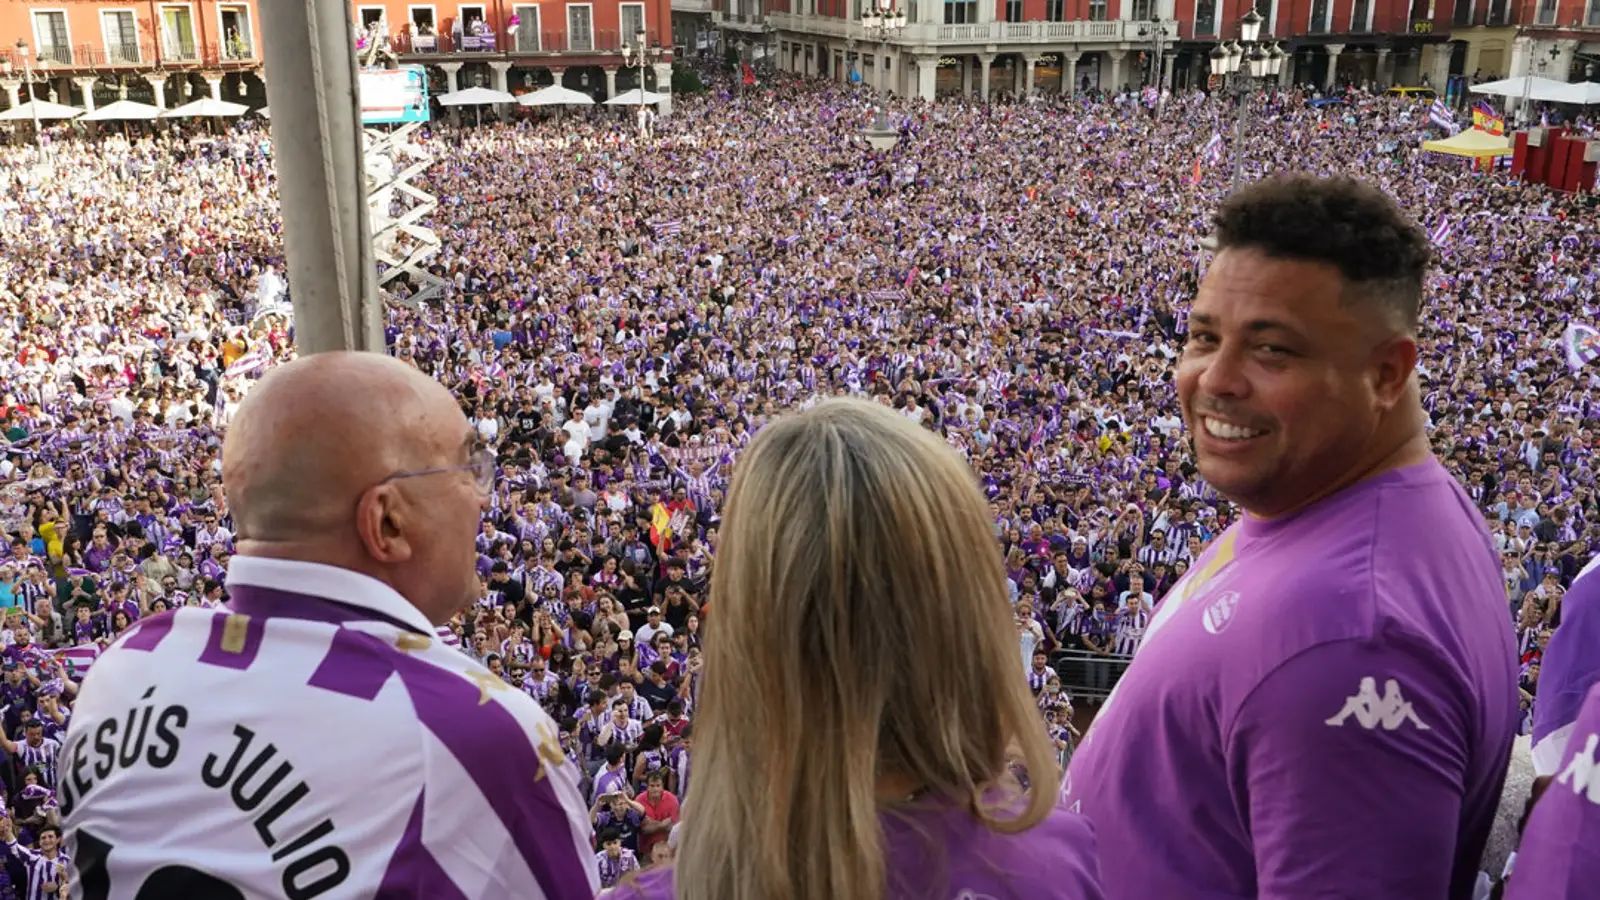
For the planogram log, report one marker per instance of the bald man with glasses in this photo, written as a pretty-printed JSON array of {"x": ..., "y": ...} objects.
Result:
[{"x": 314, "y": 737}]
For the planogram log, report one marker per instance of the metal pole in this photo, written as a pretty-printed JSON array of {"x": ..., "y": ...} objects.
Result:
[
  {"x": 33, "y": 103},
  {"x": 317, "y": 145},
  {"x": 1241, "y": 93}
]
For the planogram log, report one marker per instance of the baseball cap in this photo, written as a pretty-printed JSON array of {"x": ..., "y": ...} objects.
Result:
[
  {"x": 653, "y": 611},
  {"x": 626, "y": 635}
]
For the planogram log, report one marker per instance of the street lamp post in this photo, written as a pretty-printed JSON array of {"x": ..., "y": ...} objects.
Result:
[
  {"x": 1156, "y": 31},
  {"x": 881, "y": 21},
  {"x": 26, "y": 54},
  {"x": 1244, "y": 65},
  {"x": 637, "y": 54}
]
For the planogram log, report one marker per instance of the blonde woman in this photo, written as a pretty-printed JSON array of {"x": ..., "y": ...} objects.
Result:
[{"x": 861, "y": 716}]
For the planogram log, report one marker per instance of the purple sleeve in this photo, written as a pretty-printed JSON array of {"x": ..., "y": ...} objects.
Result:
[
  {"x": 1346, "y": 763},
  {"x": 1560, "y": 854}
]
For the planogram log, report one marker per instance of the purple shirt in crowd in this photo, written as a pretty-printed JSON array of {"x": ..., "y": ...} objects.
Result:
[
  {"x": 1570, "y": 666},
  {"x": 1324, "y": 706},
  {"x": 934, "y": 849},
  {"x": 1560, "y": 854}
]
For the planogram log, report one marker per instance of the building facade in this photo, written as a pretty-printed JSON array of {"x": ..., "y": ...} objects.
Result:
[
  {"x": 86, "y": 54},
  {"x": 166, "y": 53},
  {"x": 981, "y": 46}
]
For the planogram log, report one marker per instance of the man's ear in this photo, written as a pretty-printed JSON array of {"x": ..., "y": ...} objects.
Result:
[
  {"x": 384, "y": 521},
  {"x": 1393, "y": 364}
]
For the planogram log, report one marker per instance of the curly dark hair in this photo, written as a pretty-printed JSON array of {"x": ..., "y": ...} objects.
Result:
[{"x": 1346, "y": 223}]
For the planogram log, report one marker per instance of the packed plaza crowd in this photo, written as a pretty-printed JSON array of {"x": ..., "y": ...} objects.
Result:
[{"x": 622, "y": 315}]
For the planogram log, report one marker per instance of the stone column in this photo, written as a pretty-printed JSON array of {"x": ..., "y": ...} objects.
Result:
[
  {"x": 1439, "y": 75},
  {"x": 556, "y": 73},
  {"x": 1029, "y": 61},
  {"x": 452, "y": 75},
  {"x": 985, "y": 60},
  {"x": 1166, "y": 71},
  {"x": 1381, "y": 73},
  {"x": 611, "y": 81},
  {"x": 85, "y": 85},
  {"x": 966, "y": 76},
  {"x": 1333, "y": 65},
  {"x": 13, "y": 89},
  {"x": 215, "y": 81},
  {"x": 158, "y": 85},
  {"x": 664, "y": 88},
  {"x": 1117, "y": 56},
  {"x": 500, "y": 68},
  {"x": 927, "y": 75},
  {"x": 1286, "y": 74},
  {"x": 1069, "y": 72}
]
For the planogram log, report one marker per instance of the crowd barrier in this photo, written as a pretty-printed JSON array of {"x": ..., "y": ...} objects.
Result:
[{"x": 1089, "y": 676}]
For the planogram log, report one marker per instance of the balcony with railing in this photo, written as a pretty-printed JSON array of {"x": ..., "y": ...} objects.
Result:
[
  {"x": 146, "y": 55},
  {"x": 518, "y": 41},
  {"x": 1114, "y": 30},
  {"x": 55, "y": 54}
]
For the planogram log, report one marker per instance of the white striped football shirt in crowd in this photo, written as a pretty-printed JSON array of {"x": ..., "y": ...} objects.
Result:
[
  {"x": 357, "y": 755},
  {"x": 1149, "y": 555},
  {"x": 41, "y": 869},
  {"x": 1130, "y": 632},
  {"x": 42, "y": 757}
]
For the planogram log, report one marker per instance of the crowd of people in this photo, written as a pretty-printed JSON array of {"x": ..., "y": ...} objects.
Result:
[{"x": 622, "y": 315}]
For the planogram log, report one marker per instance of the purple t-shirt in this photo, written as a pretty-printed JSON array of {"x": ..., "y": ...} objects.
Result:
[
  {"x": 1560, "y": 854},
  {"x": 1571, "y": 664},
  {"x": 1323, "y": 706},
  {"x": 934, "y": 849}
]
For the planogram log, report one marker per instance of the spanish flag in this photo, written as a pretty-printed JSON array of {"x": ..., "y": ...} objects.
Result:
[{"x": 660, "y": 526}]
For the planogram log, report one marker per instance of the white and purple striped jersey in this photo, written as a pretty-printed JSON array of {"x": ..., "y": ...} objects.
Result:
[
  {"x": 1130, "y": 632},
  {"x": 41, "y": 869},
  {"x": 314, "y": 737},
  {"x": 42, "y": 758}
]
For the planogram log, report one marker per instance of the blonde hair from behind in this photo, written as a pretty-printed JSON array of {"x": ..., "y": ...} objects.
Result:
[{"x": 860, "y": 628}]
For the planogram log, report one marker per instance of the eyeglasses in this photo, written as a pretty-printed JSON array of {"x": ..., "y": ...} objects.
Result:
[{"x": 481, "y": 464}]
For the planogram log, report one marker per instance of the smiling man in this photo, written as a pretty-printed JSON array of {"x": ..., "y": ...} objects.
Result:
[{"x": 1325, "y": 703}]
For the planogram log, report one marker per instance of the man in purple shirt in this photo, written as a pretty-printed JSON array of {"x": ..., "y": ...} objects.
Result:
[
  {"x": 1560, "y": 854},
  {"x": 1324, "y": 705}
]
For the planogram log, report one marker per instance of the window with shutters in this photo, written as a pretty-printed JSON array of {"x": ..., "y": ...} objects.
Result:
[
  {"x": 120, "y": 32},
  {"x": 1055, "y": 10},
  {"x": 527, "y": 28},
  {"x": 960, "y": 12},
  {"x": 1361, "y": 14},
  {"x": 237, "y": 42},
  {"x": 631, "y": 15},
  {"x": 177, "y": 33},
  {"x": 50, "y": 35},
  {"x": 1205, "y": 17},
  {"x": 580, "y": 26}
]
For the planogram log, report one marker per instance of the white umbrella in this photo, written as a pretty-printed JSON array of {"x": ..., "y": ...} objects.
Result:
[
  {"x": 475, "y": 96},
  {"x": 1584, "y": 93},
  {"x": 205, "y": 108},
  {"x": 633, "y": 98},
  {"x": 41, "y": 109},
  {"x": 1532, "y": 87},
  {"x": 123, "y": 111},
  {"x": 555, "y": 95},
  {"x": 264, "y": 113}
]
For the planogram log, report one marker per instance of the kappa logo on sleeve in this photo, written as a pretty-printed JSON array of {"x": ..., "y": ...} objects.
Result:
[
  {"x": 1582, "y": 774},
  {"x": 1391, "y": 710}
]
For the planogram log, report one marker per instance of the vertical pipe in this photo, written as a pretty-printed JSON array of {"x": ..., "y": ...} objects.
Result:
[{"x": 316, "y": 140}]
